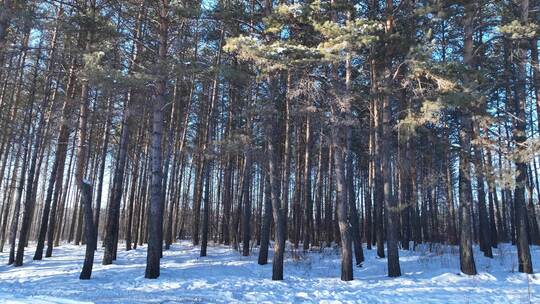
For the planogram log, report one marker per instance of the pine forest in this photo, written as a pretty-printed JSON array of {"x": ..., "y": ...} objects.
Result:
[{"x": 269, "y": 151}]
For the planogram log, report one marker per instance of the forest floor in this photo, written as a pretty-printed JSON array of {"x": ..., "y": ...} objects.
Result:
[{"x": 224, "y": 276}]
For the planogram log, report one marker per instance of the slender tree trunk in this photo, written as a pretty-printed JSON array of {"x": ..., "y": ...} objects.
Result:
[
  {"x": 8, "y": 198},
  {"x": 286, "y": 166},
  {"x": 131, "y": 200},
  {"x": 390, "y": 203},
  {"x": 24, "y": 142},
  {"x": 349, "y": 193},
  {"x": 319, "y": 194},
  {"x": 206, "y": 208},
  {"x": 378, "y": 185},
  {"x": 156, "y": 203},
  {"x": 91, "y": 232},
  {"x": 485, "y": 237},
  {"x": 29, "y": 200},
  {"x": 278, "y": 209},
  {"x": 113, "y": 212},
  {"x": 465, "y": 244},
  {"x": 355, "y": 226},
  {"x": 104, "y": 149},
  {"x": 520, "y": 138},
  {"x": 38, "y": 255},
  {"x": 17, "y": 206},
  {"x": 246, "y": 217},
  {"x": 339, "y": 144},
  {"x": 308, "y": 203},
  {"x": 266, "y": 223}
]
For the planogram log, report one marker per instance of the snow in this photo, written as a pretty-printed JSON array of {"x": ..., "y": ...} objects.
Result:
[{"x": 429, "y": 276}]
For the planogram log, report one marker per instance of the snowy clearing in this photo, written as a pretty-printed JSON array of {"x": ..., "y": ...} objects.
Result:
[{"x": 227, "y": 277}]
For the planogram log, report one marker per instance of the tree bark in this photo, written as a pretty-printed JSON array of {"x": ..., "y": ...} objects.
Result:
[
  {"x": 29, "y": 200},
  {"x": 113, "y": 212},
  {"x": 465, "y": 190},
  {"x": 278, "y": 209},
  {"x": 266, "y": 223},
  {"x": 339, "y": 144},
  {"x": 520, "y": 138},
  {"x": 156, "y": 204},
  {"x": 90, "y": 230}
]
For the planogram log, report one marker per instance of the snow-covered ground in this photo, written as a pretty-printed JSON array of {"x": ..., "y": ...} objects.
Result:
[{"x": 227, "y": 277}]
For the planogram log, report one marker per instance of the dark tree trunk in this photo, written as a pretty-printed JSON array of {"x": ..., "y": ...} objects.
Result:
[
  {"x": 351, "y": 199},
  {"x": 246, "y": 216},
  {"x": 339, "y": 144},
  {"x": 266, "y": 223},
  {"x": 520, "y": 137},
  {"x": 17, "y": 207},
  {"x": 308, "y": 203},
  {"x": 465, "y": 190},
  {"x": 452, "y": 231},
  {"x": 278, "y": 209},
  {"x": 319, "y": 194},
  {"x": 90, "y": 231},
  {"x": 156, "y": 204},
  {"x": 101, "y": 173},
  {"x": 378, "y": 185},
  {"x": 29, "y": 200},
  {"x": 131, "y": 202},
  {"x": 391, "y": 204},
  {"x": 465, "y": 241},
  {"x": 206, "y": 208},
  {"x": 38, "y": 255},
  {"x": 113, "y": 211},
  {"x": 485, "y": 237},
  {"x": 61, "y": 150}
]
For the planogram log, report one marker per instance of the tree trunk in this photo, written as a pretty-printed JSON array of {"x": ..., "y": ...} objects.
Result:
[
  {"x": 29, "y": 200},
  {"x": 101, "y": 173},
  {"x": 246, "y": 216},
  {"x": 378, "y": 184},
  {"x": 156, "y": 204},
  {"x": 520, "y": 138},
  {"x": 90, "y": 230},
  {"x": 278, "y": 209},
  {"x": 485, "y": 237},
  {"x": 308, "y": 203},
  {"x": 339, "y": 144},
  {"x": 390, "y": 203},
  {"x": 113, "y": 212},
  {"x": 266, "y": 223},
  {"x": 465, "y": 191},
  {"x": 206, "y": 208}
]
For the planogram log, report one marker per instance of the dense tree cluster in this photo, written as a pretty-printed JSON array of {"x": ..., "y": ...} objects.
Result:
[{"x": 317, "y": 123}]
